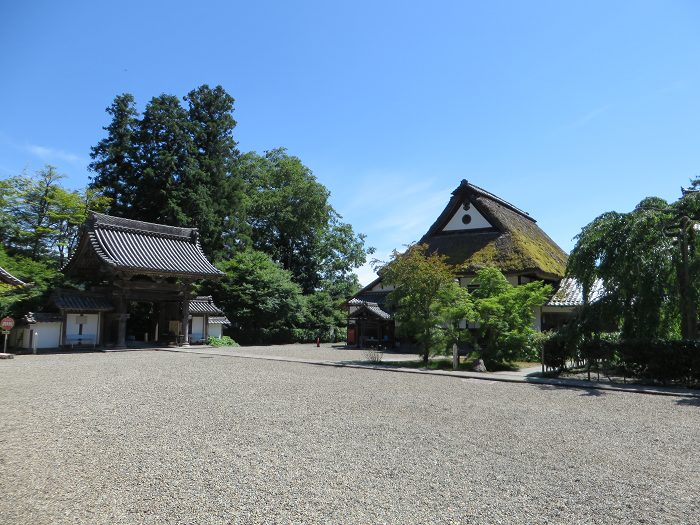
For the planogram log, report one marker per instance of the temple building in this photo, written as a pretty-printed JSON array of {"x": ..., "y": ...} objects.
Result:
[
  {"x": 475, "y": 230},
  {"x": 141, "y": 276}
]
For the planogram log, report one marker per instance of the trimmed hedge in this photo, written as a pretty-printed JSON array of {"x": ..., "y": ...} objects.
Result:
[{"x": 657, "y": 359}]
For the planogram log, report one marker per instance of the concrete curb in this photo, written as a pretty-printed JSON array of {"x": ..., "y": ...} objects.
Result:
[{"x": 555, "y": 382}]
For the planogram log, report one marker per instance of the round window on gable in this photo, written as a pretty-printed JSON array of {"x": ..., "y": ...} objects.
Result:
[{"x": 467, "y": 218}]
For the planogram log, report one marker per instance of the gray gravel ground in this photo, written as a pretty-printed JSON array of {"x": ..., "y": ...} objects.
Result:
[
  {"x": 160, "y": 437},
  {"x": 326, "y": 352}
]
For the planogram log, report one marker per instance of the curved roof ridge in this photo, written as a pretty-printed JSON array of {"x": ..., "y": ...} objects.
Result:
[
  {"x": 496, "y": 198},
  {"x": 108, "y": 221},
  {"x": 8, "y": 278}
]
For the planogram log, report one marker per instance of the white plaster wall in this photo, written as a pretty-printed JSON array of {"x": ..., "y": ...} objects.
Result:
[
  {"x": 215, "y": 329},
  {"x": 197, "y": 328},
  {"x": 478, "y": 220},
  {"x": 537, "y": 321},
  {"x": 49, "y": 335},
  {"x": 90, "y": 326}
]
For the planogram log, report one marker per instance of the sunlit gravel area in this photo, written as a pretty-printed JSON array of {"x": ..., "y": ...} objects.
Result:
[
  {"x": 162, "y": 437},
  {"x": 309, "y": 351}
]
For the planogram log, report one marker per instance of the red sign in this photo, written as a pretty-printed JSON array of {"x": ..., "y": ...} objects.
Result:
[{"x": 7, "y": 323}]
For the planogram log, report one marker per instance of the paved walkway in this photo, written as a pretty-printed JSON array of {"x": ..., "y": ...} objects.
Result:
[{"x": 329, "y": 355}]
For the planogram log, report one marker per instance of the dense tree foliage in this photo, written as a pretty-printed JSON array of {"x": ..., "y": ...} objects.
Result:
[
  {"x": 40, "y": 224},
  {"x": 431, "y": 305},
  {"x": 289, "y": 218},
  {"x": 505, "y": 315},
  {"x": 428, "y": 301},
  {"x": 260, "y": 298},
  {"x": 647, "y": 261}
]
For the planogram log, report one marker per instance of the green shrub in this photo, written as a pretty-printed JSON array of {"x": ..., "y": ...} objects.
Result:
[
  {"x": 221, "y": 341},
  {"x": 557, "y": 350}
]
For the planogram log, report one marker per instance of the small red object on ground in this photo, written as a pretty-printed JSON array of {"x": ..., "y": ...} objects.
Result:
[
  {"x": 318, "y": 342},
  {"x": 7, "y": 323}
]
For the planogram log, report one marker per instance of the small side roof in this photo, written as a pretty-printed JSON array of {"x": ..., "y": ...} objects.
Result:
[
  {"x": 204, "y": 305},
  {"x": 139, "y": 247}
]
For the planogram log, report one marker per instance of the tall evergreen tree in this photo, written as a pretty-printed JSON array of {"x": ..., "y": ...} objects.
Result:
[
  {"x": 168, "y": 168},
  {"x": 115, "y": 158},
  {"x": 217, "y": 208}
]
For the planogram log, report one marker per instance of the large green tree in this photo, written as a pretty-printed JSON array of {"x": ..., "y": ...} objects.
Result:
[
  {"x": 428, "y": 301},
  {"x": 505, "y": 315},
  {"x": 634, "y": 255},
  {"x": 290, "y": 218},
  {"x": 41, "y": 217},
  {"x": 259, "y": 298},
  {"x": 115, "y": 159}
]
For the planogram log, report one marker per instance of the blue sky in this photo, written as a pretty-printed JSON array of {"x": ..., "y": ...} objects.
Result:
[{"x": 566, "y": 109}]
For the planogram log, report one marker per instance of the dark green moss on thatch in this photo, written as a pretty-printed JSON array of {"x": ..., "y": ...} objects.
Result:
[{"x": 515, "y": 244}]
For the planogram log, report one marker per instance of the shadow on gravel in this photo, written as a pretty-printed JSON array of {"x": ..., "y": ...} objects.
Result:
[
  {"x": 592, "y": 393},
  {"x": 689, "y": 401}
]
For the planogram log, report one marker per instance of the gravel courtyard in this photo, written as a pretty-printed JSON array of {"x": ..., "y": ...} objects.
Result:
[{"x": 160, "y": 437}]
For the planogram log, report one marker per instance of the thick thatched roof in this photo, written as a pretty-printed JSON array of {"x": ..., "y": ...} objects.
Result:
[
  {"x": 7, "y": 278},
  {"x": 508, "y": 239},
  {"x": 139, "y": 247}
]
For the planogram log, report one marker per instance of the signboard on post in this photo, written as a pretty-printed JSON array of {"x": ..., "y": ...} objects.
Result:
[{"x": 6, "y": 324}]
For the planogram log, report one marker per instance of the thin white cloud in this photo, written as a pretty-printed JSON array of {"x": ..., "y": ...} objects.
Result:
[
  {"x": 591, "y": 115},
  {"x": 45, "y": 153}
]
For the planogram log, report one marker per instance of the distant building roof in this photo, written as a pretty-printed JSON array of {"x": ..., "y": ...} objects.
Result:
[
  {"x": 204, "y": 305},
  {"x": 139, "y": 247},
  {"x": 7, "y": 278},
  {"x": 510, "y": 239},
  {"x": 570, "y": 293},
  {"x": 372, "y": 308}
]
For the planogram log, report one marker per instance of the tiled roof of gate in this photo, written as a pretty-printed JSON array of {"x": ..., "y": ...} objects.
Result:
[
  {"x": 140, "y": 247},
  {"x": 7, "y": 278},
  {"x": 204, "y": 305}
]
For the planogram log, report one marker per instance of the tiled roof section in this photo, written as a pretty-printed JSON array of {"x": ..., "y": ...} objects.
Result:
[
  {"x": 515, "y": 244},
  {"x": 373, "y": 297},
  {"x": 219, "y": 320},
  {"x": 136, "y": 246},
  {"x": 373, "y": 308},
  {"x": 204, "y": 305},
  {"x": 7, "y": 278},
  {"x": 570, "y": 293},
  {"x": 82, "y": 301}
]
